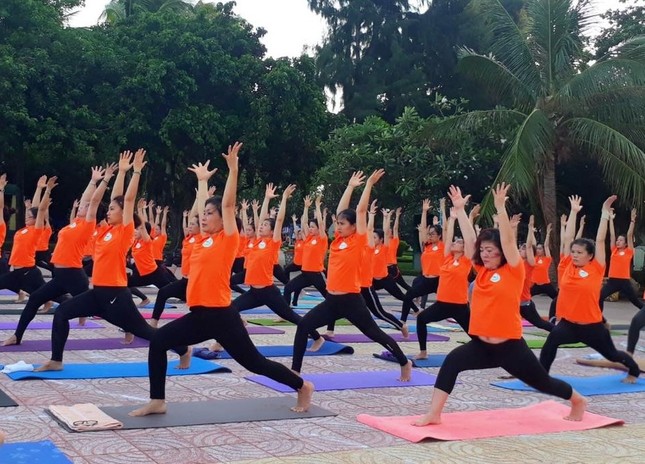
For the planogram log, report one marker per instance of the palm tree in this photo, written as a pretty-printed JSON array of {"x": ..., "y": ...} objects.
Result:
[
  {"x": 558, "y": 106},
  {"x": 118, "y": 10}
]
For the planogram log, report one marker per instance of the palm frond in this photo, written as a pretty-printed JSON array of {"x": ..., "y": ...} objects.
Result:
[
  {"x": 496, "y": 78},
  {"x": 622, "y": 106},
  {"x": 113, "y": 13},
  {"x": 632, "y": 49},
  {"x": 622, "y": 162}
]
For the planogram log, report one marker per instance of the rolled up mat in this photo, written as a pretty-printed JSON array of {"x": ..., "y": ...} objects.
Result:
[
  {"x": 38, "y": 452},
  {"x": 118, "y": 370},
  {"x": 6, "y": 401},
  {"x": 595, "y": 360},
  {"x": 215, "y": 412},
  {"x": 537, "y": 419},
  {"x": 588, "y": 386},
  {"x": 47, "y": 325},
  {"x": 274, "y": 322},
  {"x": 76, "y": 345},
  {"x": 434, "y": 360},
  {"x": 397, "y": 336},
  {"x": 352, "y": 380},
  {"x": 274, "y": 351}
]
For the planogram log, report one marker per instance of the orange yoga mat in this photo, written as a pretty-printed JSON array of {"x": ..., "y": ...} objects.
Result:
[{"x": 545, "y": 417}]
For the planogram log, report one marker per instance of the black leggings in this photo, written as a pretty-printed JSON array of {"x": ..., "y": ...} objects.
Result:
[
  {"x": 28, "y": 279},
  {"x": 292, "y": 267},
  {"x": 279, "y": 274},
  {"x": 114, "y": 304},
  {"x": 305, "y": 279},
  {"x": 514, "y": 356},
  {"x": 43, "y": 258},
  {"x": 175, "y": 289},
  {"x": 159, "y": 278},
  {"x": 64, "y": 281},
  {"x": 236, "y": 280},
  {"x": 271, "y": 297},
  {"x": 440, "y": 311},
  {"x": 638, "y": 322},
  {"x": 389, "y": 285},
  {"x": 595, "y": 335},
  {"x": 394, "y": 272},
  {"x": 88, "y": 266},
  {"x": 223, "y": 324},
  {"x": 376, "y": 308},
  {"x": 529, "y": 312},
  {"x": 350, "y": 306},
  {"x": 421, "y": 286},
  {"x": 161, "y": 264},
  {"x": 550, "y": 291},
  {"x": 238, "y": 265},
  {"x": 624, "y": 286}
]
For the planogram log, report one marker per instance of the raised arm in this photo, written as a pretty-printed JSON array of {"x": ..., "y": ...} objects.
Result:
[
  {"x": 444, "y": 217},
  {"x": 630, "y": 231},
  {"x": 397, "y": 221},
  {"x": 449, "y": 231},
  {"x": 423, "y": 228},
  {"x": 44, "y": 202},
  {"x": 72, "y": 213},
  {"x": 151, "y": 211},
  {"x": 563, "y": 226},
  {"x": 255, "y": 206},
  {"x": 40, "y": 185},
  {"x": 125, "y": 164},
  {"x": 164, "y": 221},
  {"x": 304, "y": 219},
  {"x": 363, "y": 203},
  {"x": 97, "y": 196},
  {"x": 203, "y": 174},
  {"x": 320, "y": 218},
  {"x": 356, "y": 180},
  {"x": 387, "y": 219},
  {"x": 547, "y": 240},
  {"x": 465, "y": 224},
  {"x": 371, "y": 216},
  {"x": 3, "y": 184},
  {"x": 244, "y": 212},
  {"x": 569, "y": 231},
  {"x": 530, "y": 241},
  {"x": 97, "y": 175},
  {"x": 269, "y": 194},
  {"x": 612, "y": 229},
  {"x": 581, "y": 229},
  {"x": 230, "y": 189},
  {"x": 474, "y": 214},
  {"x": 133, "y": 186},
  {"x": 141, "y": 210},
  {"x": 602, "y": 230},
  {"x": 282, "y": 212},
  {"x": 509, "y": 244}
]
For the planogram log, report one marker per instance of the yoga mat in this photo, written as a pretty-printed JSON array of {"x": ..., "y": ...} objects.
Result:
[
  {"x": 43, "y": 325},
  {"x": 434, "y": 360},
  {"x": 5, "y": 292},
  {"x": 39, "y": 452},
  {"x": 352, "y": 380},
  {"x": 539, "y": 343},
  {"x": 545, "y": 417},
  {"x": 265, "y": 310},
  {"x": 147, "y": 315},
  {"x": 272, "y": 322},
  {"x": 588, "y": 386},
  {"x": 216, "y": 412},
  {"x": 118, "y": 370},
  {"x": 18, "y": 312},
  {"x": 274, "y": 351},
  {"x": 263, "y": 330},
  {"x": 76, "y": 345},
  {"x": 397, "y": 336},
  {"x": 6, "y": 401},
  {"x": 602, "y": 362},
  {"x": 152, "y": 306}
]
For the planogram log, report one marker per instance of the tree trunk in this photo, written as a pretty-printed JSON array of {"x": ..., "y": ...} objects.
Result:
[{"x": 548, "y": 202}]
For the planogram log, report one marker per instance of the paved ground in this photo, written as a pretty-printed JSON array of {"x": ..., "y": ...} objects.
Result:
[{"x": 339, "y": 439}]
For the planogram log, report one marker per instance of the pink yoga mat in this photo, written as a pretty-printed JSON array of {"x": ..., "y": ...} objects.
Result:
[
  {"x": 42, "y": 325},
  {"x": 361, "y": 338},
  {"x": 76, "y": 345},
  {"x": 545, "y": 417}
]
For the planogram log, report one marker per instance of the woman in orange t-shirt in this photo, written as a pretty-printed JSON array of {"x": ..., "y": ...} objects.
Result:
[
  {"x": 344, "y": 283},
  {"x": 68, "y": 276},
  {"x": 296, "y": 263},
  {"x": 247, "y": 237},
  {"x": 578, "y": 309},
  {"x": 209, "y": 298},
  {"x": 392, "y": 261},
  {"x": 495, "y": 323},
  {"x": 314, "y": 250},
  {"x": 541, "y": 282},
  {"x": 110, "y": 297},
  {"x": 383, "y": 279},
  {"x": 4, "y": 266},
  {"x": 259, "y": 266}
]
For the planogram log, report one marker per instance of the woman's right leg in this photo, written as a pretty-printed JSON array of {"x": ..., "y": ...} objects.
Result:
[
  {"x": 316, "y": 317},
  {"x": 627, "y": 290},
  {"x": 237, "y": 280},
  {"x": 610, "y": 287},
  {"x": 529, "y": 312},
  {"x": 46, "y": 293},
  {"x": 376, "y": 308},
  {"x": 176, "y": 289},
  {"x": 295, "y": 285},
  {"x": 563, "y": 333},
  {"x": 420, "y": 286},
  {"x": 638, "y": 322}
]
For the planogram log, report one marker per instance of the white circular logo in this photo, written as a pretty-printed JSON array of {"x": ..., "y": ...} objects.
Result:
[
  {"x": 342, "y": 246},
  {"x": 208, "y": 242},
  {"x": 435, "y": 248},
  {"x": 495, "y": 278},
  {"x": 138, "y": 245},
  {"x": 72, "y": 225},
  {"x": 582, "y": 273},
  {"x": 24, "y": 231},
  {"x": 539, "y": 261},
  {"x": 377, "y": 251},
  {"x": 262, "y": 245},
  {"x": 313, "y": 242},
  {"x": 107, "y": 237},
  {"x": 250, "y": 245},
  {"x": 191, "y": 240},
  {"x": 96, "y": 232},
  {"x": 622, "y": 253},
  {"x": 455, "y": 263}
]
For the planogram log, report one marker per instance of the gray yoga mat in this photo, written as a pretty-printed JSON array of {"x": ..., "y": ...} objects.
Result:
[
  {"x": 6, "y": 401},
  {"x": 215, "y": 412}
]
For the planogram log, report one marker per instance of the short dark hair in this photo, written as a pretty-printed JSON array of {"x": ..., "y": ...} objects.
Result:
[
  {"x": 34, "y": 212},
  {"x": 588, "y": 244},
  {"x": 380, "y": 233},
  {"x": 137, "y": 221},
  {"x": 437, "y": 228},
  {"x": 119, "y": 200},
  {"x": 315, "y": 221},
  {"x": 238, "y": 223},
  {"x": 488, "y": 235},
  {"x": 348, "y": 214},
  {"x": 216, "y": 202},
  {"x": 271, "y": 222}
]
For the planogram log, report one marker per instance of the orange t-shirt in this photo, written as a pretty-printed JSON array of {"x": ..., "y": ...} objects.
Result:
[
  {"x": 297, "y": 252},
  {"x": 210, "y": 270},
  {"x": 259, "y": 263},
  {"x": 345, "y": 254},
  {"x": 453, "y": 280},
  {"x": 158, "y": 244},
  {"x": 144, "y": 260},
  {"x": 526, "y": 286},
  {"x": 367, "y": 266},
  {"x": 23, "y": 253},
  {"x": 432, "y": 259},
  {"x": 393, "y": 250},
  {"x": 379, "y": 265},
  {"x": 71, "y": 243},
  {"x": 495, "y": 306},
  {"x": 91, "y": 243},
  {"x": 186, "y": 250},
  {"x": 250, "y": 246},
  {"x": 313, "y": 253},
  {"x": 43, "y": 241},
  {"x": 241, "y": 248},
  {"x": 541, "y": 270},
  {"x": 3, "y": 233},
  {"x": 112, "y": 246},
  {"x": 579, "y": 295},
  {"x": 620, "y": 266}
]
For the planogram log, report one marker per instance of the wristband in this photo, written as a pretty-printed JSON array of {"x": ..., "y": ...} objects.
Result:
[
  {"x": 136, "y": 172},
  {"x": 106, "y": 182}
]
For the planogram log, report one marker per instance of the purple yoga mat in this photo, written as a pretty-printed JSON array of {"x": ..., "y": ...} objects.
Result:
[
  {"x": 258, "y": 330},
  {"x": 352, "y": 380},
  {"x": 42, "y": 325},
  {"x": 5, "y": 292},
  {"x": 360, "y": 338},
  {"x": 76, "y": 345}
]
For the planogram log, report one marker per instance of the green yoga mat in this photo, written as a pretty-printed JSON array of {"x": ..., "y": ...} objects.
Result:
[{"x": 272, "y": 322}]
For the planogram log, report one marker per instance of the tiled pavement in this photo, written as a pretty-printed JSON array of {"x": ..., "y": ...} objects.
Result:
[{"x": 339, "y": 439}]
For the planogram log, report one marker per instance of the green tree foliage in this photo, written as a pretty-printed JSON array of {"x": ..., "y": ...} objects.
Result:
[{"x": 624, "y": 24}]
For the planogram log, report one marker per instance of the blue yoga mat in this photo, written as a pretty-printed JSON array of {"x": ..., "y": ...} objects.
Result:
[
  {"x": 274, "y": 351},
  {"x": 118, "y": 370},
  {"x": 434, "y": 360},
  {"x": 588, "y": 386},
  {"x": 38, "y": 452},
  {"x": 152, "y": 306}
]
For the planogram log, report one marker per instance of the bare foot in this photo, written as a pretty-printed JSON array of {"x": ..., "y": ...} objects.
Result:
[
  {"x": 406, "y": 372},
  {"x": 21, "y": 297},
  {"x": 10, "y": 341},
  {"x": 216, "y": 347},
  {"x": 423, "y": 354},
  {"x": 127, "y": 339},
  {"x": 304, "y": 397},
  {"x": 315, "y": 346},
  {"x": 280, "y": 320},
  {"x": 81, "y": 321},
  {"x": 50, "y": 366},
  {"x": 144, "y": 303},
  {"x": 578, "y": 407},
  {"x": 153, "y": 407},
  {"x": 405, "y": 331},
  {"x": 2, "y": 436},
  {"x": 153, "y": 323},
  {"x": 184, "y": 359},
  {"x": 630, "y": 379},
  {"x": 46, "y": 307},
  {"x": 427, "y": 419},
  {"x": 245, "y": 322},
  {"x": 329, "y": 334}
]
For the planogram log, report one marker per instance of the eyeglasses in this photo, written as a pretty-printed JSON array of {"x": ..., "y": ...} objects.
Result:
[{"x": 85, "y": 423}]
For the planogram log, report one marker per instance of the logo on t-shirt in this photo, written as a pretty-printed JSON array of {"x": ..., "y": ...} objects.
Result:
[
  {"x": 435, "y": 248},
  {"x": 72, "y": 225},
  {"x": 539, "y": 261},
  {"x": 314, "y": 242},
  {"x": 208, "y": 242},
  {"x": 137, "y": 246},
  {"x": 495, "y": 278},
  {"x": 262, "y": 245},
  {"x": 455, "y": 262},
  {"x": 377, "y": 251},
  {"x": 107, "y": 237},
  {"x": 250, "y": 245},
  {"x": 24, "y": 231},
  {"x": 582, "y": 273},
  {"x": 621, "y": 253},
  {"x": 191, "y": 240},
  {"x": 342, "y": 245}
]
